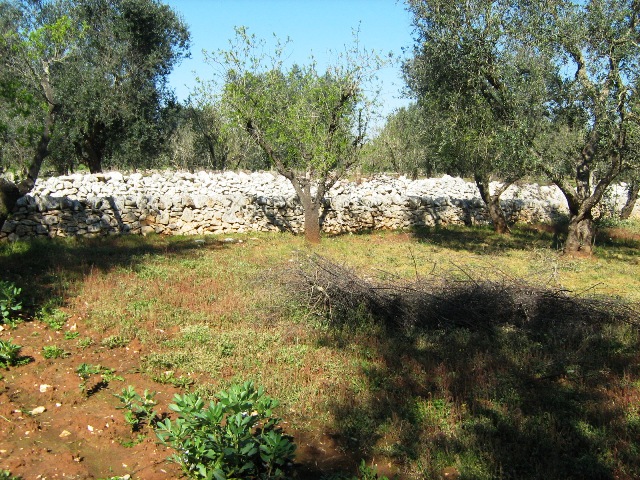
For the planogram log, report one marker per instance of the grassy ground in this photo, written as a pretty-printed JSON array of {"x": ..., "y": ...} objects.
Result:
[{"x": 559, "y": 402}]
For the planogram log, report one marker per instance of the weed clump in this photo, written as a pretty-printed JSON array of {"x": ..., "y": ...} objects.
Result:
[
  {"x": 236, "y": 436},
  {"x": 9, "y": 303}
]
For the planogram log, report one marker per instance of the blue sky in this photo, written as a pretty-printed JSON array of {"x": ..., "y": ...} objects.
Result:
[{"x": 314, "y": 26}]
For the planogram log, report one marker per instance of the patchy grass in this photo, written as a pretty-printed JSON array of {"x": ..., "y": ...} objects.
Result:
[{"x": 501, "y": 403}]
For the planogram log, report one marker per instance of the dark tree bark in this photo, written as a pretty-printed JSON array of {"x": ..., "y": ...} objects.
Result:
[
  {"x": 492, "y": 201},
  {"x": 11, "y": 192},
  {"x": 632, "y": 197},
  {"x": 581, "y": 235},
  {"x": 9, "y": 195},
  {"x": 92, "y": 146},
  {"x": 581, "y": 201}
]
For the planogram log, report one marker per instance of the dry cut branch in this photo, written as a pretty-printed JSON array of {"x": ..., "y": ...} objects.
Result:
[{"x": 438, "y": 302}]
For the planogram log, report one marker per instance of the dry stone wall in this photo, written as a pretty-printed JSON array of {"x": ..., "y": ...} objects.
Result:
[{"x": 229, "y": 202}]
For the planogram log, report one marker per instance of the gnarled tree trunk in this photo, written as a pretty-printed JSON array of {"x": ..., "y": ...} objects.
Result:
[
  {"x": 9, "y": 195},
  {"x": 582, "y": 199},
  {"x": 632, "y": 197},
  {"x": 581, "y": 235},
  {"x": 496, "y": 213}
]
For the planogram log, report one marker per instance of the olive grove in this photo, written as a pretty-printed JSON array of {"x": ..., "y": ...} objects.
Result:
[{"x": 524, "y": 87}]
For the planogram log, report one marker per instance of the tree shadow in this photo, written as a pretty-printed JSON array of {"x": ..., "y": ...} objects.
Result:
[
  {"x": 49, "y": 269},
  {"x": 483, "y": 240},
  {"x": 497, "y": 383}
]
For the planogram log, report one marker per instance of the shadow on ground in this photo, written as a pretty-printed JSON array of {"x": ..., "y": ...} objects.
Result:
[
  {"x": 490, "y": 380},
  {"x": 483, "y": 240}
]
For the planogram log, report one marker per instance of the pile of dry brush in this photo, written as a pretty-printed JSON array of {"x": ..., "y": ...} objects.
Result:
[{"x": 465, "y": 301}]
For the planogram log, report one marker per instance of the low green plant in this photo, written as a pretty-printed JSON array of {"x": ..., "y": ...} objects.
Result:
[
  {"x": 138, "y": 408},
  {"x": 114, "y": 341},
  {"x": 53, "y": 317},
  {"x": 53, "y": 351},
  {"x": 71, "y": 335},
  {"x": 365, "y": 472},
  {"x": 85, "y": 370},
  {"x": 6, "y": 475},
  {"x": 169, "y": 378},
  {"x": 85, "y": 342},
  {"x": 9, "y": 303},
  {"x": 132, "y": 443},
  {"x": 236, "y": 436},
  {"x": 10, "y": 354}
]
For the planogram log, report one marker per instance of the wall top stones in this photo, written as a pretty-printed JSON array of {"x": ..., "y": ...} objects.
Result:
[
  {"x": 379, "y": 188},
  {"x": 178, "y": 202}
]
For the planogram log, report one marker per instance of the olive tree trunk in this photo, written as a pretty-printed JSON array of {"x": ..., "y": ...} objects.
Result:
[
  {"x": 302, "y": 183},
  {"x": 632, "y": 197},
  {"x": 311, "y": 221},
  {"x": 311, "y": 202},
  {"x": 496, "y": 214},
  {"x": 581, "y": 200}
]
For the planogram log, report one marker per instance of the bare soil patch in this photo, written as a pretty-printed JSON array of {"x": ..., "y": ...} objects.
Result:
[{"x": 78, "y": 435}]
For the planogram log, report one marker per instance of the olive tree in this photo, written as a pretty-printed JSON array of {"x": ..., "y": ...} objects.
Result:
[
  {"x": 115, "y": 90},
  {"x": 35, "y": 47},
  {"x": 310, "y": 124},
  {"x": 542, "y": 85},
  {"x": 480, "y": 84},
  {"x": 401, "y": 145},
  {"x": 89, "y": 76},
  {"x": 593, "y": 104}
]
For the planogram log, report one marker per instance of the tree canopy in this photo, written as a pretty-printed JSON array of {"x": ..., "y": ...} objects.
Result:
[
  {"x": 115, "y": 89},
  {"x": 310, "y": 124},
  {"x": 481, "y": 85},
  {"x": 547, "y": 86},
  {"x": 87, "y": 76}
]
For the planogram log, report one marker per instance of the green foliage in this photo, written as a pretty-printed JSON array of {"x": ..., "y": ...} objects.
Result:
[
  {"x": 122, "y": 107},
  {"x": 479, "y": 85},
  {"x": 311, "y": 125},
  {"x": 205, "y": 137},
  {"x": 53, "y": 317},
  {"x": 403, "y": 145},
  {"x": 53, "y": 351},
  {"x": 139, "y": 408},
  {"x": 35, "y": 45},
  {"x": 306, "y": 119},
  {"x": 114, "y": 341},
  {"x": 6, "y": 475},
  {"x": 96, "y": 71},
  {"x": 10, "y": 354},
  {"x": 86, "y": 370},
  {"x": 85, "y": 342},
  {"x": 9, "y": 303},
  {"x": 168, "y": 378},
  {"x": 71, "y": 335},
  {"x": 510, "y": 88},
  {"x": 235, "y": 437}
]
